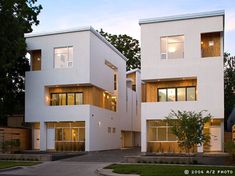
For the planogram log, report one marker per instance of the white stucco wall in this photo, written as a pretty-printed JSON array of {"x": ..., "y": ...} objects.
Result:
[
  {"x": 90, "y": 53},
  {"x": 207, "y": 71}
]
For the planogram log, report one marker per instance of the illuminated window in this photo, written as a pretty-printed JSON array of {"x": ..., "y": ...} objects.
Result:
[
  {"x": 177, "y": 94},
  {"x": 160, "y": 131},
  {"x": 63, "y": 57},
  {"x": 61, "y": 99},
  {"x": 172, "y": 47}
]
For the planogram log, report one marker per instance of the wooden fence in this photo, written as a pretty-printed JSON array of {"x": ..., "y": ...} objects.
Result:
[{"x": 14, "y": 139}]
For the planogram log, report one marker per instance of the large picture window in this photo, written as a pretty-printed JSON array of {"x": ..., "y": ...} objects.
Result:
[
  {"x": 160, "y": 131},
  {"x": 61, "y": 99},
  {"x": 63, "y": 57},
  {"x": 177, "y": 94},
  {"x": 172, "y": 47},
  {"x": 70, "y": 134}
]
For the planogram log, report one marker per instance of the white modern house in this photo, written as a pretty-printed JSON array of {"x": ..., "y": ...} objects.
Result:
[
  {"x": 76, "y": 93},
  {"x": 182, "y": 69}
]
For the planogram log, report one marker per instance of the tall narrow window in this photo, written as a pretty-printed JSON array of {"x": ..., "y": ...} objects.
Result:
[
  {"x": 115, "y": 81},
  {"x": 172, "y": 47},
  {"x": 162, "y": 95},
  {"x": 79, "y": 98},
  {"x": 171, "y": 94},
  {"x": 70, "y": 98},
  {"x": 181, "y": 94},
  {"x": 62, "y": 99},
  {"x": 63, "y": 57},
  {"x": 191, "y": 94}
]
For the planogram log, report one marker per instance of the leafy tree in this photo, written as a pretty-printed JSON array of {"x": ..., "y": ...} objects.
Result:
[
  {"x": 128, "y": 46},
  {"x": 16, "y": 18},
  {"x": 230, "y": 148},
  {"x": 229, "y": 84},
  {"x": 188, "y": 127}
]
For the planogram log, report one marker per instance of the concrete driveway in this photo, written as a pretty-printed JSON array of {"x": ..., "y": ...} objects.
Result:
[{"x": 85, "y": 165}]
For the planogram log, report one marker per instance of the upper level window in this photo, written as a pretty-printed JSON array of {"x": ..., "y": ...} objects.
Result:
[
  {"x": 61, "y": 99},
  {"x": 63, "y": 57},
  {"x": 177, "y": 94},
  {"x": 172, "y": 47},
  {"x": 210, "y": 44}
]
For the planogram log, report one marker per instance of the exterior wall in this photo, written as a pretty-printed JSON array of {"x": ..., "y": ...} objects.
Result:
[
  {"x": 207, "y": 71},
  {"x": 90, "y": 54}
]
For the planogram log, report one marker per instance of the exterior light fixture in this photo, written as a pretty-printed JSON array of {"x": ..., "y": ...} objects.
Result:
[{"x": 211, "y": 43}]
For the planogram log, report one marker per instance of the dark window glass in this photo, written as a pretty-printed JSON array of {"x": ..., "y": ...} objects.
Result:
[{"x": 115, "y": 81}]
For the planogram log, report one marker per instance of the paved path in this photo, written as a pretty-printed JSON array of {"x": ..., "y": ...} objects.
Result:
[{"x": 85, "y": 165}]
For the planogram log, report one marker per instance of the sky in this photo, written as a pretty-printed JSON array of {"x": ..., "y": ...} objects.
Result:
[{"x": 122, "y": 16}]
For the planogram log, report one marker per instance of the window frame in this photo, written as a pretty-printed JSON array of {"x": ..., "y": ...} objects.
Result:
[
  {"x": 166, "y": 127},
  {"x": 166, "y": 53},
  {"x": 62, "y": 47},
  {"x": 176, "y": 93},
  {"x": 66, "y": 104}
]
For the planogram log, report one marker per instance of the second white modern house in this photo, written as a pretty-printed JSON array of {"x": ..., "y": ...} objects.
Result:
[
  {"x": 182, "y": 68},
  {"x": 76, "y": 93}
]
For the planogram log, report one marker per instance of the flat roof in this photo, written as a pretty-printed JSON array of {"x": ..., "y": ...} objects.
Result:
[
  {"x": 132, "y": 71},
  {"x": 182, "y": 17},
  {"x": 88, "y": 28}
]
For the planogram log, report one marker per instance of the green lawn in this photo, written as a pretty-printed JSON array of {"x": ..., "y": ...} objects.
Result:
[
  {"x": 170, "y": 170},
  {"x": 7, "y": 164}
]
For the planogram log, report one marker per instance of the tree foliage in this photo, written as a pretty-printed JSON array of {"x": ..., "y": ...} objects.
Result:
[
  {"x": 188, "y": 127},
  {"x": 229, "y": 84},
  {"x": 16, "y": 18},
  {"x": 128, "y": 46}
]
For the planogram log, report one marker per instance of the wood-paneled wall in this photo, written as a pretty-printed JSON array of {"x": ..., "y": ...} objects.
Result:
[
  {"x": 132, "y": 76},
  {"x": 152, "y": 87},
  {"x": 22, "y": 134},
  {"x": 167, "y": 147},
  {"x": 91, "y": 95},
  {"x": 210, "y": 51}
]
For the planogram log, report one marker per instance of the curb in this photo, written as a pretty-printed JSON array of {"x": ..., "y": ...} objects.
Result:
[
  {"x": 109, "y": 172},
  {"x": 11, "y": 168}
]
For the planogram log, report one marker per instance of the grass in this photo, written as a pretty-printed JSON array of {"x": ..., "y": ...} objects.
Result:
[
  {"x": 8, "y": 164},
  {"x": 170, "y": 170}
]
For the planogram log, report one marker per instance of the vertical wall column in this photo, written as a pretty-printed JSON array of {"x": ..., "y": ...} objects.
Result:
[
  {"x": 43, "y": 143},
  {"x": 143, "y": 135}
]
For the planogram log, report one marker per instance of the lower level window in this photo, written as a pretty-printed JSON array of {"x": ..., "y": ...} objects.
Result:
[
  {"x": 60, "y": 99},
  {"x": 160, "y": 132},
  {"x": 67, "y": 134},
  {"x": 177, "y": 94}
]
